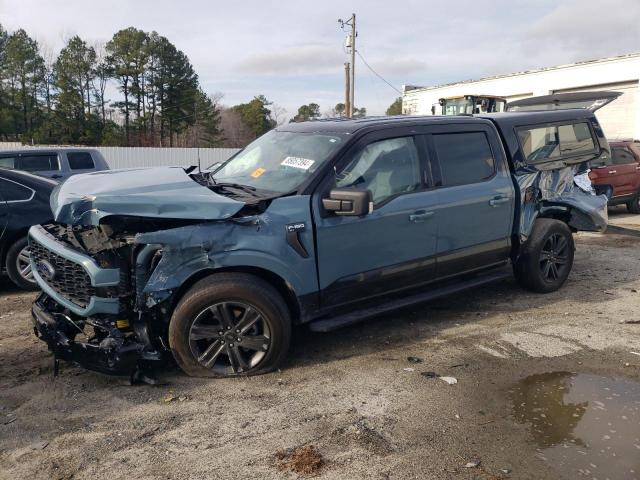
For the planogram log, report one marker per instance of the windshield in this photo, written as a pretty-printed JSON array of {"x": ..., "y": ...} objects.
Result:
[
  {"x": 278, "y": 161},
  {"x": 458, "y": 106}
]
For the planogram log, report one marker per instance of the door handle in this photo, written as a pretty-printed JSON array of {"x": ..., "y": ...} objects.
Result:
[
  {"x": 498, "y": 200},
  {"x": 611, "y": 172},
  {"x": 420, "y": 216}
]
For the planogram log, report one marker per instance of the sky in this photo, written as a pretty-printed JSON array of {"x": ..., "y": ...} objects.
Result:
[{"x": 292, "y": 51}]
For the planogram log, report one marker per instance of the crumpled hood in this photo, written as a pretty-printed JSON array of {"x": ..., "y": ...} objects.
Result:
[{"x": 162, "y": 192}]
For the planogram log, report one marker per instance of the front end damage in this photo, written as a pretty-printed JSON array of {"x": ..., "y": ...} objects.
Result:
[
  {"x": 92, "y": 309},
  {"x": 95, "y": 265},
  {"x": 111, "y": 280}
]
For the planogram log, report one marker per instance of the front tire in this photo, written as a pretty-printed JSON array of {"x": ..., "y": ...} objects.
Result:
[
  {"x": 19, "y": 267},
  {"x": 547, "y": 257},
  {"x": 230, "y": 324}
]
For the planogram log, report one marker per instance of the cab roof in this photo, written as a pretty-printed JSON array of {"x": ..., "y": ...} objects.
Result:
[{"x": 504, "y": 119}]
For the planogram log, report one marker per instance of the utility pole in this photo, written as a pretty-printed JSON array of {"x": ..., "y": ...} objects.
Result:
[
  {"x": 347, "y": 89},
  {"x": 351, "y": 43}
]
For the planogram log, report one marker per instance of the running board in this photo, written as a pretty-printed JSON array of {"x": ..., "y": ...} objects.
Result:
[{"x": 340, "y": 321}]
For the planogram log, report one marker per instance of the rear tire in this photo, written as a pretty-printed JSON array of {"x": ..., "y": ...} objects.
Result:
[
  {"x": 230, "y": 324},
  {"x": 634, "y": 205},
  {"x": 546, "y": 258},
  {"x": 18, "y": 266}
]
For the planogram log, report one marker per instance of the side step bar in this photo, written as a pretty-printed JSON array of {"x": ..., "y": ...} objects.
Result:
[{"x": 350, "y": 318}]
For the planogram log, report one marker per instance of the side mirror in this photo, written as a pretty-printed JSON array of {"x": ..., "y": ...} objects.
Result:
[{"x": 348, "y": 201}]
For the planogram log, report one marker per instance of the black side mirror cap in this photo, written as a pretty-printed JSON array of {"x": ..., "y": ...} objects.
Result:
[{"x": 349, "y": 201}]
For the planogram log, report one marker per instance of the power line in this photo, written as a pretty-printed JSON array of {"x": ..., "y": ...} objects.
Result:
[{"x": 376, "y": 73}]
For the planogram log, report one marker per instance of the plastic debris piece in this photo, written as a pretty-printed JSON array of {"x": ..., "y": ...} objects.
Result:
[
  {"x": 449, "y": 380},
  {"x": 409, "y": 369},
  {"x": 472, "y": 464}
]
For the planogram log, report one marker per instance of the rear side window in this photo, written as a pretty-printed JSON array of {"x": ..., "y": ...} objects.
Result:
[
  {"x": 14, "y": 192},
  {"x": 38, "y": 163},
  {"x": 552, "y": 142},
  {"x": 7, "y": 162},
  {"x": 621, "y": 156},
  {"x": 464, "y": 157},
  {"x": 80, "y": 160}
]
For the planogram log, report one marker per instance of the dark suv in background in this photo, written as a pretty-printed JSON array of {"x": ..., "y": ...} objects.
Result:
[{"x": 58, "y": 163}]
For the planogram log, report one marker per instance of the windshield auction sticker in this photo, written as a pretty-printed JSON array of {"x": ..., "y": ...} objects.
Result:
[
  {"x": 298, "y": 162},
  {"x": 257, "y": 172}
]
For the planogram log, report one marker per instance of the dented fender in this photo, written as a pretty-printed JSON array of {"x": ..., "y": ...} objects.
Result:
[{"x": 253, "y": 241}]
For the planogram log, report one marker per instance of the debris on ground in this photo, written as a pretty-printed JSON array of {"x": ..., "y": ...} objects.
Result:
[
  {"x": 631, "y": 321},
  {"x": 635, "y": 353},
  {"x": 414, "y": 360},
  {"x": 409, "y": 369},
  {"x": 472, "y": 464},
  {"x": 449, "y": 380},
  {"x": 430, "y": 374},
  {"x": 305, "y": 460},
  {"x": 506, "y": 471},
  {"x": 40, "y": 445}
]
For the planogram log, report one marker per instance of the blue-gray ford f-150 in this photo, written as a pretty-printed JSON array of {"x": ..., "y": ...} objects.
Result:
[{"x": 324, "y": 222}]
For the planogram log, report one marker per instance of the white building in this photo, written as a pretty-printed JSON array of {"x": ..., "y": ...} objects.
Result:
[{"x": 619, "y": 119}]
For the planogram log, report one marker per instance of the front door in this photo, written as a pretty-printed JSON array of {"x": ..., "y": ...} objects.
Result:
[{"x": 392, "y": 247}]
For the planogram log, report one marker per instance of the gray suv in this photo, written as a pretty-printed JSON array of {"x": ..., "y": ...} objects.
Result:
[
  {"x": 58, "y": 163},
  {"x": 322, "y": 223}
]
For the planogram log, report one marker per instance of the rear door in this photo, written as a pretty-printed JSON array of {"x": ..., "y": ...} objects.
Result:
[
  {"x": 46, "y": 164},
  {"x": 476, "y": 198},
  {"x": 391, "y": 248}
]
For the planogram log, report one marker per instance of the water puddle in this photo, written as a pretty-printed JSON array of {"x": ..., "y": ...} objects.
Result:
[{"x": 585, "y": 426}]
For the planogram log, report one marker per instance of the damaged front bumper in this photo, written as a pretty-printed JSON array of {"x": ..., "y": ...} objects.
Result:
[{"x": 116, "y": 353}]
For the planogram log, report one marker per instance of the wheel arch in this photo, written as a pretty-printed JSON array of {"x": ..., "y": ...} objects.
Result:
[{"x": 280, "y": 284}]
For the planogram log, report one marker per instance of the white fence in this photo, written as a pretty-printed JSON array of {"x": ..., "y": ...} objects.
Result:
[{"x": 126, "y": 157}]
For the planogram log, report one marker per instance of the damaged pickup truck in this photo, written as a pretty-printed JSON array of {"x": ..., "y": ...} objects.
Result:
[{"x": 325, "y": 223}]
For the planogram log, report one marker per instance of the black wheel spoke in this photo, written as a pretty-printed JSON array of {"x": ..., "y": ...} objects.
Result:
[
  {"x": 258, "y": 343},
  {"x": 201, "y": 332},
  {"x": 561, "y": 245},
  {"x": 236, "y": 360},
  {"x": 211, "y": 354},
  {"x": 224, "y": 314},
  {"x": 546, "y": 269},
  {"x": 553, "y": 270},
  {"x": 562, "y": 260},
  {"x": 248, "y": 320}
]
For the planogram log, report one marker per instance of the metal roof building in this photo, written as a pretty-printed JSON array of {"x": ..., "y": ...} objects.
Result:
[{"x": 619, "y": 119}]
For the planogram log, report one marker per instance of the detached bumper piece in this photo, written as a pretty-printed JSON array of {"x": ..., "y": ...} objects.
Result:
[{"x": 112, "y": 352}]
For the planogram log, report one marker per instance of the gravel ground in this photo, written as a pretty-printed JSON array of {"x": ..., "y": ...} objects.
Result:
[{"x": 352, "y": 395}]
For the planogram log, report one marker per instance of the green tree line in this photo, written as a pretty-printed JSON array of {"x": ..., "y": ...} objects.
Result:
[{"x": 160, "y": 101}]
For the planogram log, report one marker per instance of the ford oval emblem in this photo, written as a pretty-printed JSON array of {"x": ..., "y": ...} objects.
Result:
[{"x": 45, "y": 269}]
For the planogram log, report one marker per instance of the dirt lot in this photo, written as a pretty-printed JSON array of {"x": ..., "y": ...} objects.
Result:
[{"x": 353, "y": 394}]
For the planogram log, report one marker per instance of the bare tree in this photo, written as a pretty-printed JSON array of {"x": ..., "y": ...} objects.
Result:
[
  {"x": 278, "y": 114},
  {"x": 235, "y": 133}
]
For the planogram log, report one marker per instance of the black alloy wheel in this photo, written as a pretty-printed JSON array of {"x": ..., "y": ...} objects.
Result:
[
  {"x": 554, "y": 257},
  {"x": 229, "y": 337}
]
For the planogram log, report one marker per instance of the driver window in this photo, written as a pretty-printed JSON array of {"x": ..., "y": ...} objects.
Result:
[{"x": 387, "y": 168}]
